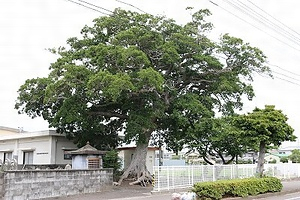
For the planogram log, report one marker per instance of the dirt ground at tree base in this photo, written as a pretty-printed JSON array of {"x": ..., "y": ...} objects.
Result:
[{"x": 123, "y": 191}]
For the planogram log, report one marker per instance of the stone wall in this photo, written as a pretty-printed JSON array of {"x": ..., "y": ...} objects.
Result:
[{"x": 39, "y": 184}]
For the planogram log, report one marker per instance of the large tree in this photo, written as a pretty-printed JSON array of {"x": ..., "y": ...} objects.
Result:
[
  {"x": 265, "y": 128},
  {"x": 141, "y": 74}
]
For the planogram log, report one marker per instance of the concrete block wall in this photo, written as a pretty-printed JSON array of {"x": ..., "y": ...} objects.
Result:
[{"x": 39, "y": 184}]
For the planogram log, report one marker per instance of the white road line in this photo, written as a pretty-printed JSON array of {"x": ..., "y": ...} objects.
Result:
[
  {"x": 139, "y": 197},
  {"x": 292, "y": 198}
]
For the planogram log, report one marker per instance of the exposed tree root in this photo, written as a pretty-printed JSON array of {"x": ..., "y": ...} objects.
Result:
[
  {"x": 143, "y": 180},
  {"x": 137, "y": 170}
]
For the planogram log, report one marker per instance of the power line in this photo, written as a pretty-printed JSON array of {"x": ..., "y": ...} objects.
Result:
[
  {"x": 287, "y": 81},
  {"x": 265, "y": 21},
  {"x": 132, "y": 6},
  {"x": 295, "y": 74},
  {"x": 277, "y": 28},
  {"x": 87, "y": 7},
  {"x": 287, "y": 78},
  {"x": 96, "y": 6},
  {"x": 295, "y": 79},
  {"x": 280, "y": 78},
  {"x": 274, "y": 18},
  {"x": 283, "y": 42}
]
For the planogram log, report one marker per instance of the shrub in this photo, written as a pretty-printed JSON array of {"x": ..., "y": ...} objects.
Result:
[
  {"x": 284, "y": 159},
  {"x": 112, "y": 160},
  {"x": 237, "y": 187}
]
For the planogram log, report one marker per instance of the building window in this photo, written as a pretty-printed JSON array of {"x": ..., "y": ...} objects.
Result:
[
  {"x": 7, "y": 155},
  {"x": 93, "y": 163},
  {"x": 67, "y": 155},
  {"x": 28, "y": 157}
]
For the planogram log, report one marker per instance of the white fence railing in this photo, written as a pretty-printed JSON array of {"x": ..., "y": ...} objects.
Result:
[{"x": 172, "y": 177}]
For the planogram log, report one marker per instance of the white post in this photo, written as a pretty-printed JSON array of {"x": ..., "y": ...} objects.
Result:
[
  {"x": 158, "y": 178},
  {"x": 173, "y": 177},
  {"x": 202, "y": 171},
  {"x": 189, "y": 174},
  {"x": 213, "y": 170},
  {"x": 168, "y": 178},
  {"x": 192, "y": 175},
  {"x": 231, "y": 171}
]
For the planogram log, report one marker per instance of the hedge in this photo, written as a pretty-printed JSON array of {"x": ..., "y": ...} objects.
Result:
[{"x": 237, "y": 187}]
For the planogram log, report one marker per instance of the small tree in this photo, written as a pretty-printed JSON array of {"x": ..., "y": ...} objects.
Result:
[
  {"x": 263, "y": 128},
  {"x": 112, "y": 160},
  {"x": 295, "y": 156}
]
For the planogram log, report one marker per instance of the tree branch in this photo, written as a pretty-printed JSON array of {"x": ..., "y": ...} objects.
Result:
[{"x": 108, "y": 114}]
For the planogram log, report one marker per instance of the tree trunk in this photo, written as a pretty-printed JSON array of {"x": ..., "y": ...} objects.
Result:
[
  {"x": 261, "y": 159},
  {"x": 137, "y": 168}
]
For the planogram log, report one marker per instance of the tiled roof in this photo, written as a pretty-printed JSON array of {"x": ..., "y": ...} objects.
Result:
[{"x": 87, "y": 149}]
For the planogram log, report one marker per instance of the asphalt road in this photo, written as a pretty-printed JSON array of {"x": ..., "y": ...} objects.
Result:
[{"x": 291, "y": 196}]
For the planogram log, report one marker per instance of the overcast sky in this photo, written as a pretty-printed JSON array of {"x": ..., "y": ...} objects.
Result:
[{"x": 28, "y": 27}]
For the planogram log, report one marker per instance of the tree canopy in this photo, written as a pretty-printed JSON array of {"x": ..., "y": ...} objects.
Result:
[
  {"x": 220, "y": 139},
  {"x": 295, "y": 156},
  {"x": 264, "y": 128},
  {"x": 141, "y": 74}
]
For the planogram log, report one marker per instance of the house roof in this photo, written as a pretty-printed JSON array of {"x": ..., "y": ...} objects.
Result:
[
  {"x": 133, "y": 148},
  {"x": 289, "y": 148},
  {"x": 87, "y": 150},
  {"x": 9, "y": 131},
  {"x": 21, "y": 135}
]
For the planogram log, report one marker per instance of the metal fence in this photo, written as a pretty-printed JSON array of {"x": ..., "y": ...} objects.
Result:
[{"x": 172, "y": 177}]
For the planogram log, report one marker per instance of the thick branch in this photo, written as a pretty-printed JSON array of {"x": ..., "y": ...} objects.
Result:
[
  {"x": 206, "y": 160},
  {"x": 230, "y": 160},
  {"x": 109, "y": 114}
]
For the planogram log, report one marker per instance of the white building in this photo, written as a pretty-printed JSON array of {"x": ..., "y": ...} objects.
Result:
[
  {"x": 35, "y": 148},
  {"x": 126, "y": 154},
  {"x": 286, "y": 151}
]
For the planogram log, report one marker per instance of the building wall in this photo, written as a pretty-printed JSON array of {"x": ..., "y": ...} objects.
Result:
[
  {"x": 46, "y": 149},
  {"x": 61, "y": 144},
  {"x": 39, "y": 184},
  {"x": 6, "y": 146},
  {"x": 38, "y": 145},
  {"x": 126, "y": 156},
  {"x": 150, "y": 161}
]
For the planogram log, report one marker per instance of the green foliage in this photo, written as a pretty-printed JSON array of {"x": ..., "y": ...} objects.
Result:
[
  {"x": 219, "y": 138},
  {"x": 295, "y": 156},
  {"x": 176, "y": 157},
  {"x": 266, "y": 125},
  {"x": 140, "y": 74},
  {"x": 264, "y": 128},
  {"x": 273, "y": 161},
  {"x": 284, "y": 159},
  {"x": 237, "y": 188},
  {"x": 249, "y": 161},
  {"x": 112, "y": 160}
]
